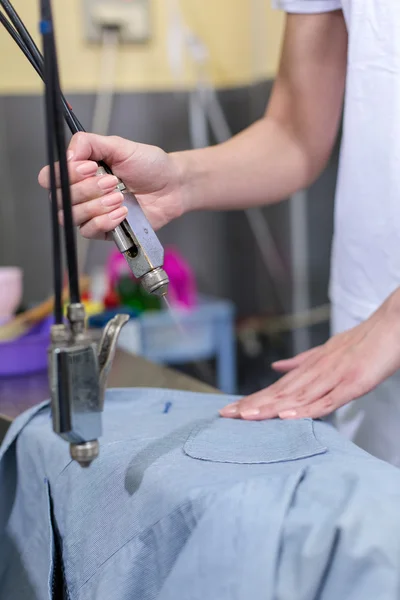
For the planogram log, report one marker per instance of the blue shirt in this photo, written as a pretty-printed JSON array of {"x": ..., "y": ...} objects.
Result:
[{"x": 184, "y": 505}]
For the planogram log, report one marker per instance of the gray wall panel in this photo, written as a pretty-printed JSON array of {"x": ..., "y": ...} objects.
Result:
[{"x": 219, "y": 246}]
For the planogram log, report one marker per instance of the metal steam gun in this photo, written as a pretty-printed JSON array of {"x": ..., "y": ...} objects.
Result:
[{"x": 78, "y": 367}]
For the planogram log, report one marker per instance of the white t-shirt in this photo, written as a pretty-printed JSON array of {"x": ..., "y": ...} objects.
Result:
[{"x": 366, "y": 248}]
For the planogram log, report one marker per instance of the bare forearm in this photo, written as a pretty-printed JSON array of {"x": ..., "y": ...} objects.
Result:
[
  {"x": 287, "y": 149},
  {"x": 281, "y": 153},
  {"x": 261, "y": 165}
]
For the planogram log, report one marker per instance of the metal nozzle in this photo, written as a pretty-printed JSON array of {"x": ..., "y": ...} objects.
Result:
[
  {"x": 85, "y": 453},
  {"x": 107, "y": 347},
  {"x": 156, "y": 282}
]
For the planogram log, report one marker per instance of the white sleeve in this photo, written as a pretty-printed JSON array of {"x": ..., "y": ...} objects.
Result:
[{"x": 307, "y": 6}]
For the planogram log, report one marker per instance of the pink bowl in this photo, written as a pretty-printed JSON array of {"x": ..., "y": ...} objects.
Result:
[{"x": 10, "y": 291}]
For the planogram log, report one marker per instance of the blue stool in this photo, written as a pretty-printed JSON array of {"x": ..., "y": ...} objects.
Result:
[{"x": 207, "y": 332}]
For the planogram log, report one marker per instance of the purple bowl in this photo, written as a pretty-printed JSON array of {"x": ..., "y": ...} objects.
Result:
[{"x": 27, "y": 354}]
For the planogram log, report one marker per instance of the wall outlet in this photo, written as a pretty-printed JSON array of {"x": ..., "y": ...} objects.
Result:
[{"x": 132, "y": 17}]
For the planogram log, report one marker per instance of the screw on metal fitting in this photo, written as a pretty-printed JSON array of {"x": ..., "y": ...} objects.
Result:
[
  {"x": 156, "y": 282},
  {"x": 76, "y": 312},
  {"x": 85, "y": 453},
  {"x": 59, "y": 334},
  {"x": 76, "y": 316}
]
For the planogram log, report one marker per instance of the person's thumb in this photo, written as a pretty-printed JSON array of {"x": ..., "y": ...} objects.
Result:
[{"x": 112, "y": 150}]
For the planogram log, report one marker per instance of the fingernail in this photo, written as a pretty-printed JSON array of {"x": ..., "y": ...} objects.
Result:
[
  {"x": 69, "y": 155},
  {"x": 107, "y": 182},
  {"x": 87, "y": 169},
  {"x": 287, "y": 414},
  {"x": 118, "y": 214},
  {"x": 112, "y": 199},
  {"x": 230, "y": 410},
  {"x": 250, "y": 412}
]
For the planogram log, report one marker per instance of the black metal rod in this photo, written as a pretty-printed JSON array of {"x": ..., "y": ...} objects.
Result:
[
  {"x": 52, "y": 85},
  {"x": 55, "y": 226},
  {"x": 22, "y": 37},
  {"x": 55, "y": 229},
  {"x": 24, "y": 40},
  {"x": 17, "y": 30},
  {"x": 20, "y": 43}
]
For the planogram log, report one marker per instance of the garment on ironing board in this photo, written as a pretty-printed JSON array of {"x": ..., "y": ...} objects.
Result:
[{"x": 184, "y": 505}]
